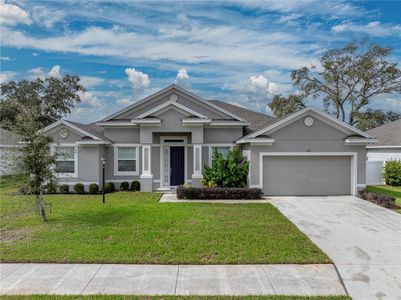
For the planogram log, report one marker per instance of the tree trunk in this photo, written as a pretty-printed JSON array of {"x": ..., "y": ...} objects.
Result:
[{"x": 41, "y": 206}]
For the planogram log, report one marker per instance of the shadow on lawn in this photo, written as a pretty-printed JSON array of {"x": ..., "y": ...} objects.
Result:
[{"x": 107, "y": 217}]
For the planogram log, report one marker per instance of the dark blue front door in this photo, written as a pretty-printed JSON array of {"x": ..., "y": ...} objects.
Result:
[{"x": 177, "y": 165}]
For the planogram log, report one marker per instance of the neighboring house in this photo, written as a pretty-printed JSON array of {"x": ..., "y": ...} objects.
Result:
[
  {"x": 9, "y": 141},
  {"x": 388, "y": 147},
  {"x": 166, "y": 139}
]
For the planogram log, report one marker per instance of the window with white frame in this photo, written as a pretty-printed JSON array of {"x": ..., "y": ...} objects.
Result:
[
  {"x": 224, "y": 150},
  {"x": 65, "y": 159},
  {"x": 126, "y": 159}
]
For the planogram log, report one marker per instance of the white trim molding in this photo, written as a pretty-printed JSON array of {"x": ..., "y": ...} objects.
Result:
[
  {"x": 383, "y": 147},
  {"x": 302, "y": 112},
  {"x": 168, "y": 105},
  {"x": 197, "y": 161},
  {"x": 53, "y": 147},
  {"x": 256, "y": 141},
  {"x": 115, "y": 155},
  {"x": 360, "y": 141},
  {"x": 146, "y": 161},
  {"x": 353, "y": 167},
  {"x": 68, "y": 124}
]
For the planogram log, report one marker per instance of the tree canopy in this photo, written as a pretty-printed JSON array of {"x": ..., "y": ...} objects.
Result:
[
  {"x": 48, "y": 99},
  {"x": 346, "y": 81}
]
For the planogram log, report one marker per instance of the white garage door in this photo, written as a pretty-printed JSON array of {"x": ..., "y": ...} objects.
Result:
[{"x": 306, "y": 175}]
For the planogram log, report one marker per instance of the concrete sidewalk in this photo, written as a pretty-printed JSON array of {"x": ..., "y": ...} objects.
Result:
[{"x": 77, "y": 279}]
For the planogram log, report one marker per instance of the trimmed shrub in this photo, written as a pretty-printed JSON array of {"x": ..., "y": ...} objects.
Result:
[
  {"x": 392, "y": 172},
  {"x": 51, "y": 188},
  {"x": 135, "y": 186},
  {"x": 218, "y": 193},
  {"x": 230, "y": 172},
  {"x": 109, "y": 187},
  {"x": 79, "y": 188},
  {"x": 380, "y": 199},
  {"x": 124, "y": 186},
  {"x": 94, "y": 189},
  {"x": 64, "y": 189}
]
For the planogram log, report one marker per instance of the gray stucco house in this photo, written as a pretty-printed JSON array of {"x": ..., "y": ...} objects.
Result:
[
  {"x": 166, "y": 139},
  {"x": 388, "y": 147}
]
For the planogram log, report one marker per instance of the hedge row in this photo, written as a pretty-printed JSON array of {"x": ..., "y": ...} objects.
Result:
[
  {"x": 79, "y": 188},
  {"x": 203, "y": 193},
  {"x": 380, "y": 199}
]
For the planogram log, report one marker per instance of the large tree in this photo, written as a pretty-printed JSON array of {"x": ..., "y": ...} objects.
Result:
[
  {"x": 48, "y": 99},
  {"x": 346, "y": 80}
]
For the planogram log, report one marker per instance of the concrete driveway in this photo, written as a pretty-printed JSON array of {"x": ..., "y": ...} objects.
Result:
[{"x": 363, "y": 240}]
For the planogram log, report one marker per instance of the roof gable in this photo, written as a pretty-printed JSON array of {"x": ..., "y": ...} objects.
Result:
[
  {"x": 77, "y": 127},
  {"x": 317, "y": 113},
  {"x": 199, "y": 105},
  {"x": 388, "y": 134}
]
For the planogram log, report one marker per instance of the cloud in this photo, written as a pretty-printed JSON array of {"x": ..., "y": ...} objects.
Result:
[
  {"x": 182, "y": 74},
  {"x": 7, "y": 76},
  {"x": 41, "y": 73},
  {"x": 138, "y": 80},
  {"x": 184, "y": 22},
  {"x": 55, "y": 71},
  {"x": 11, "y": 14},
  {"x": 89, "y": 100},
  {"x": 91, "y": 81},
  {"x": 236, "y": 46},
  {"x": 260, "y": 84},
  {"x": 6, "y": 58},
  {"x": 373, "y": 28},
  {"x": 46, "y": 17},
  {"x": 124, "y": 101}
]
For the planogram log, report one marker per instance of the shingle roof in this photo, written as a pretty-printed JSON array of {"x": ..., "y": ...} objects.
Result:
[
  {"x": 90, "y": 128},
  {"x": 388, "y": 134},
  {"x": 8, "y": 137},
  {"x": 256, "y": 120}
]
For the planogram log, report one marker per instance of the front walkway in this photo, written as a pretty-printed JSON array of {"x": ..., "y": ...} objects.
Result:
[
  {"x": 77, "y": 279},
  {"x": 363, "y": 240}
]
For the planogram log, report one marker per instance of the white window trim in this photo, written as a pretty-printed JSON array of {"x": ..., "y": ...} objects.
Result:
[
  {"x": 115, "y": 151},
  {"x": 217, "y": 145},
  {"x": 53, "y": 151},
  {"x": 354, "y": 164}
]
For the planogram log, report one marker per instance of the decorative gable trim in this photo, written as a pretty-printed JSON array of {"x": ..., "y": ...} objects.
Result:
[
  {"x": 288, "y": 120},
  {"x": 66, "y": 123},
  {"x": 161, "y": 108},
  {"x": 202, "y": 102}
]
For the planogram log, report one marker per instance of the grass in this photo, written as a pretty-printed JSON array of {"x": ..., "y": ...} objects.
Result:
[
  {"x": 394, "y": 191},
  {"x": 124, "y": 297},
  {"x": 136, "y": 228}
]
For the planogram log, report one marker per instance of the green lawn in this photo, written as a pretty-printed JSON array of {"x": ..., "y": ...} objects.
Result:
[
  {"x": 394, "y": 191},
  {"x": 135, "y": 228},
  {"x": 124, "y": 297}
]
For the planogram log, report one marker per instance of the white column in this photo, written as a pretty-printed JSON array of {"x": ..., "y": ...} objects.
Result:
[
  {"x": 197, "y": 161},
  {"x": 146, "y": 162}
]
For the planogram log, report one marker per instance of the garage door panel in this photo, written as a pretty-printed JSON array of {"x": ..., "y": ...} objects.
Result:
[{"x": 307, "y": 175}]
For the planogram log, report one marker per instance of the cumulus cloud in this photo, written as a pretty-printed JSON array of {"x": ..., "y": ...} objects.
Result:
[
  {"x": 11, "y": 14},
  {"x": 7, "y": 76},
  {"x": 41, "y": 73},
  {"x": 182, "y": 76},
  {"x": 89, "y": 100},
  {"x": 373, "y": 28},
  {"x": 260, "y": 84},
  {"x": 138, "y": 79},
  {"x": 55, "y": 71}
]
